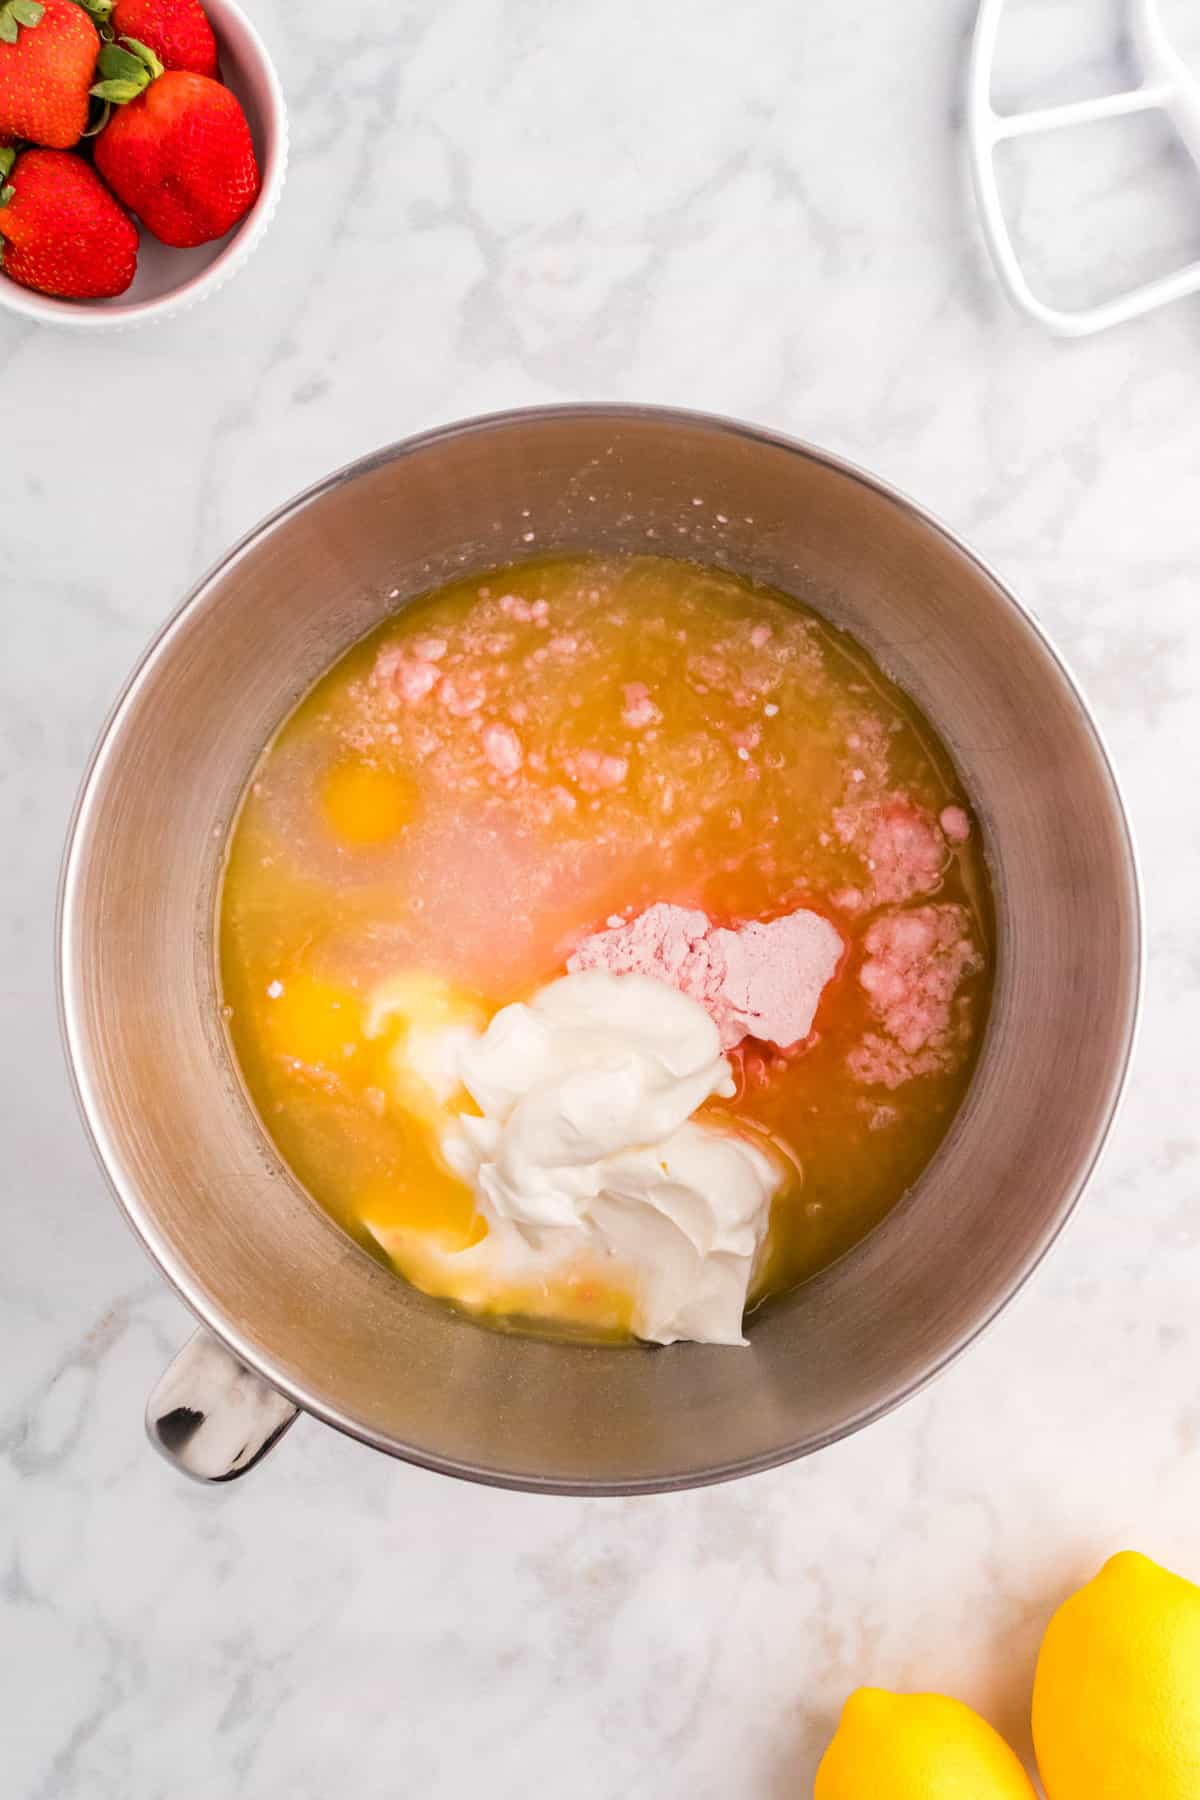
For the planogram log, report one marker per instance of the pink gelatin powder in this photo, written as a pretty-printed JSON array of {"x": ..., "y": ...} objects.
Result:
[
  {"x": 762, "y": 980},
  {"x": 915, "y": 963}
]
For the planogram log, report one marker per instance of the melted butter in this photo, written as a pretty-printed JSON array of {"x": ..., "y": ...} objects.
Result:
[{"x": 624, "y": 732}]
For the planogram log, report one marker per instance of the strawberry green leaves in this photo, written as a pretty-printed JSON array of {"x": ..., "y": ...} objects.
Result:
[
  {"x": 14, "y": 14},
  {"x": 125, "y": 70}
]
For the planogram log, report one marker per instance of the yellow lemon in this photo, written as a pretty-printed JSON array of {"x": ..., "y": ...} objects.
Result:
[
  {"x": 1116, "y": 1700},
  {"x": 917, "y": 1747}
]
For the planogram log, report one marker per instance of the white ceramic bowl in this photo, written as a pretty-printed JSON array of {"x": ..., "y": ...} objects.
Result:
[{"x": 167, "y": 280}]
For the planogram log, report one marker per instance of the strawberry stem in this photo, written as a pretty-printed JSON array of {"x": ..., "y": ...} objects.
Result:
[
  {"x": 98, "y": 118},
  {"x": 126, "y": 69}
]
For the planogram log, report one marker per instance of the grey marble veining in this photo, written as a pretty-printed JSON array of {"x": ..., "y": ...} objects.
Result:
[{"x": 759, "y": 210}]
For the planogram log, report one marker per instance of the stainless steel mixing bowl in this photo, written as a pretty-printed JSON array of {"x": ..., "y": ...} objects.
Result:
[{"x": 309, "y": 1317}]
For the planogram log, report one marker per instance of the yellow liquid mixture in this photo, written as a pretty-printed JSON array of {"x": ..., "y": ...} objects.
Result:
[{"x": 507, "y": 764}]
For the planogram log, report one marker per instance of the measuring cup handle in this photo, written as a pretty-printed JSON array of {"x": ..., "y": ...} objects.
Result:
[{"x": 212, "y": 1418}]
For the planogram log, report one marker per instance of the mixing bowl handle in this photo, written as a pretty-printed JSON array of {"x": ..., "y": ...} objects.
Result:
[{"x": 210, "y": 1416}]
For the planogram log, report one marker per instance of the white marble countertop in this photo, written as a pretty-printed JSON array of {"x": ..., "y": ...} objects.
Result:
[{"x": 755, "y": 210}]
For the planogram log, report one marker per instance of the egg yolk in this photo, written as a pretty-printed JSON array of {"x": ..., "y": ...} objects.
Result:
[
  {"x": 313, "y": 1021},
  {"x": 423, "y": 1197},
  {"x": 364, "y": 804}
]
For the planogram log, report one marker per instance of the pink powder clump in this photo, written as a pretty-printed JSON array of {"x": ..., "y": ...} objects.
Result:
[
  {"x": 409, "y": 678},
  {"x": 956, "y": 826},
  {"x": 668, "y": 943},
  {"x": 502, "y": 747},
  {"x": 915, "y": 963},
  {"x": 639, "y": 709},
  {"x": 462, "y": 694},
  {"x": 906, "y": 852},
  {"x": 775, "y": 974},
  {"x": 880, "y": 1062},
  {"x": 595, "y": 771},
  {"x": 416, "y": 679},
  {"x": 762, "y": 980},
  {"x": 524, "y": 612}
]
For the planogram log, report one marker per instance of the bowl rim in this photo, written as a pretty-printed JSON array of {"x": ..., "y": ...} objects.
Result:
[
  {"x": 246, "y": 235},
  {"x": 141, "y": 1221}
]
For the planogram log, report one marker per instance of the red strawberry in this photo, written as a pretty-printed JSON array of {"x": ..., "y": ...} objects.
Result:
[
  {"x": 48, "y": 52},
  {"x": 177, "y": 150},
  {"x": 177, "y": 31},
  {"x": 61, "y": 231}
]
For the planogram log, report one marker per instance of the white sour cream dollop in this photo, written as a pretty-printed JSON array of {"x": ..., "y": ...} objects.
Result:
[{"x": 585, "y": 1149}]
